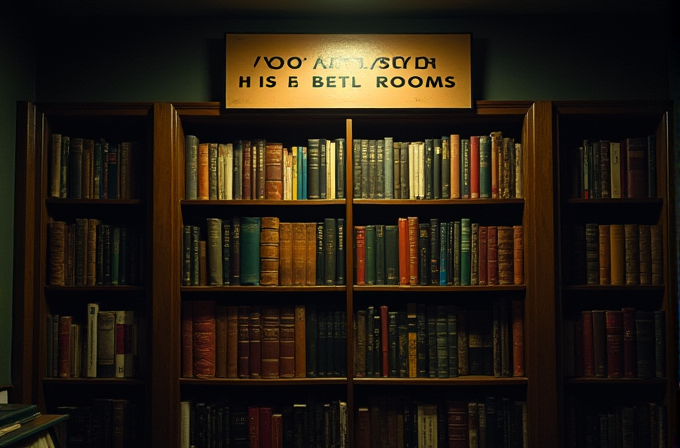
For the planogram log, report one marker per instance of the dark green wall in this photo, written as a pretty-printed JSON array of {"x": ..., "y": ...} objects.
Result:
[{"x": 595, "y": 57}]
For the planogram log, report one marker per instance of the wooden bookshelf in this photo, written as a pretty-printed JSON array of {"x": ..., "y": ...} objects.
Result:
[{"x": 546, "y": 131}]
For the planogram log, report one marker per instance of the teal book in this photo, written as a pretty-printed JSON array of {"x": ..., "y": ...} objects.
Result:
[
  {"x": 370, "y": 255},
  {"x": 443, "y": 253},
  {"x": 313, "y": 167},
  {"x": 465, "y": 168},
  {"x": 380, "y": 276},
  {"x": 330, "y": 230},
  {"x": 437, "y": 163},
  {"x": 484, "y": 166},
  {"x": 456, "y": 252},
  {"x": 340, "y": 160},
  {"x": 305, "y": 174},
  {"x": 391, "y": 254},
  {"x": 301, "y": 173},
  {"x": 465, "y": 251},
  {"x": 446, "y": 167},
  {"x": 250, "y": 250},
  {"x": 389, "y": 167},
  {"x": 341, "y": 258}
]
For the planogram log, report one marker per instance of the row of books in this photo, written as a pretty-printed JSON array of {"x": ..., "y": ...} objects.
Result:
[
  {"x": 603, "y": 169},
  {"x": 615, "y": 254},
  {"x": 251, "y": 250},
  {"x": 616, "y": 343},
  {"x": 631, "y": 425},
  {"x": 262, "y": 342},
  {"x": 101, "y": 344},
  {"x": 89, "y": 252},
  {"x": 440, "y": 341},
  {"x": 261, "y": 169},
  {"x": 402, "y": 421},
  {"x": 84, "y": 168},
  {"x": 447, "y": 167},
  {"x": 105, "y": 423},
  {"x": 437, "y": 252},
  {"x": 313, "y": 423}
]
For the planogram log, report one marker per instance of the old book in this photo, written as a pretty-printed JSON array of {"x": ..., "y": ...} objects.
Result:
[
  {"x": 657, "y": 254},
  {"x": 604, "y": 260},
  {"x": 313, "y": 168},
  {"x": 457, "y": 424},
  {"x": 474, "y": 166},
  {"x": 631, "y": 234},
  {"x": 203, "y": 173},
  {"x": 56, "y": 253},
  {"x": 310, "y": 255},
  {"x": 413, "y": 257},
  {"x": 463, "y": 341},
  {"x": 645, "y": 344},
  {"x": 360, "y": 255},
  {"x": 645, "y": 245},
  {"x": 319, "y": 255},
  {"x": 243, "y": 318},
  {"x": 226, "y": 251},
  {"x": 312, "y": 350},
  {"x": 636, "y": 152},
  {"x": 287, "y": 358},
  {"x": 465, "y": 174},
  {"x": 617, "y": 251},
  {"x": 255, "y": 341},
  {"x": 587, "y": 338},
  {"x": 629, "y": 343},
  {"x": 330, "y": 246},
  {"x": 474, "y": 253},
  {"x": 212, "y": 170},
  {"x": 403, "y": 251},
  {"x": 106, "y": 344},
  {"x": 221, "y": 341},
  {"x": 286, "y": 253},
  {"x": 120, "y": 344},
  {"x": 492, "y": 255},
  {"x": 237, "y": 173},
  {"x": 91, "y": 340},
  {"x": 475, "y": 342},
  {"x": 380, "y": 254},
  {"x": 424, "y": 258},
  {"x": 614, "y": 352},
  {"x": 454, "y": 141},
  {"x": 412, "y": 328},
  {"x": 250, "y": 250},
  {"x": 204, "y": 338},
  {"x": 517, "y": 309},
  {"x": 271, "y": 341},
  {"x": 599, "y": 343},
  {"x": 75, "y": 168},
  {"x": 432, "y": 252},
  {"x": 202, "y": 262},
  {"x": 215, "y": 246},
  {"x": 341, "y": 254},
  {"x": 248, "y": 170},
  {"x": 592, "y": 254},
  {"x": 660, "y": 343},
  {"x": 269, "y": 251},
  {"x": 299, "y": 253},
  {"x": 259, "y": 149},
  {"x": 465, "y": 252},
  {"x": 505, "y": 255},
  {"x": 187, "y": 369},
  {"x": 232, "y": 341},
  {"x": 484, "y": 167},
  {"x": 274, "y": 171},
  {"x": 65, "y": 347},
  {"x": 300, "y": 341},
  {"x": 361, "y": 343}
]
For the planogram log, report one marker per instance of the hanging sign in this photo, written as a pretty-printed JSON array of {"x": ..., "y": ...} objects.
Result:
[{"x": 326, "y": 71}]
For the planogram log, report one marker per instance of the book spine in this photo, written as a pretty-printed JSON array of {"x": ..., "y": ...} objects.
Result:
[
  {"x": 269, "y": 251},
  {"x": 250, "y": 251},
  {"x": 203, "y": 189},
  {"x": 313, "y": 167}
]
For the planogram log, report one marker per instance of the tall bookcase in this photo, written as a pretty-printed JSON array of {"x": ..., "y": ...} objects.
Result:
[{"x": 546, "y": 131}]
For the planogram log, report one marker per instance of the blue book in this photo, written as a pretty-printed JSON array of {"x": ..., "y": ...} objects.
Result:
[{"x": 250, "y": 250}]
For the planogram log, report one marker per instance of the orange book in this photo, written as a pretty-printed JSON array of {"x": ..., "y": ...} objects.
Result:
[
  {"x": 299, "y": 254},
  {"x": 310, "y": 258},
  {"x": 616, "y": 258},
  {"x": 455, "y": 166},
  {"x": 413, "y": 235},
  {"x": 286, "y": 253},
  {"x": 203, "y": 171}
]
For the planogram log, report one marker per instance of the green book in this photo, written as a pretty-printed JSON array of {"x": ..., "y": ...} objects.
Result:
[
  {"x": 484, "y": 166},
  {"x": 389, "y": 167},
  {"x": 340, "y": 168},
  {"x": 437, "y": 163},
  {"x": 380, "y": 169},
  {"x": 330, "y": 246},
  {"x": 456, "y": 252},
  {"x": 371, "y": 179},
  {"x": 370, "y": 255},
  {"x": 380, "y": 275},
  {"x": 226, "y": 252},
  {"x": 465, "y": 251},
  {"x": 215, "y": 259},
  {"x": 340, "y": 267},
  {"x": 356, "y": 171},
  {"x": 465, "y": 168},
  {"x": 250, "y": 250},
  {"x": 323, "y": 164},
  {"x": 391, "y": 255},
  {"x": 446, "y": 167}
]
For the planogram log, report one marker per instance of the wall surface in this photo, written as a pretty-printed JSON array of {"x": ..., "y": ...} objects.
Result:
[{"x": 529, "y": 57}]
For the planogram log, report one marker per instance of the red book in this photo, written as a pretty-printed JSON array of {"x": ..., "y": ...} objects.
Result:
[
  {"x": 266, "y": 413},
  {"x": 287, "y": 342},
  {"x": 204, "y": 329},
  {"x": 253, "y": 427},
  {"x": 243, "y": 342},
  {"x": 629, "y": 343},
  {"x": 360, "y": 236},
  {"x": 492, "y": 255},
  {"x": 636, "y": 167},
  {"x": 187, "y": 339},
  {"x": 362, "y": 438},
  {"x": 65, "y": 346},
  {"x": 483, "y": 255},
  {"x": 457, "y": 424},
  {"x": 474, "y": 167},
  {"x": 413, "y": 235},
  {"x": 232, "y": 341},
  {"x": 614, "y": 329},
  {"x": 270, "y": 342},
  {"x": 518, "y": 254},
  {"x": 255, "y": 341},
  {"x": 277, "y": 431},
  {"x": 587, "y": 331},
  {"x": 384, "y": 342},
  {"x": 518, "y": 338},
  {"x": 403, "y": 251},
  {"x": 203, "y": 171}
]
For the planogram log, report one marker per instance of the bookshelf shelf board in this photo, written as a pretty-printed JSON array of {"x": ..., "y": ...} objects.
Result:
[
  {"x": 472, "y": 380},
  {"x": 278, "y": 382}
]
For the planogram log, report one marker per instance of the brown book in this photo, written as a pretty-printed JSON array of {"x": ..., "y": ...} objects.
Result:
[
  {"x": 636, "y": 167},
  {"x": 629, "y": 343},
  {"x": 56, "y": 265},
  {"x": 492, "y": 255},
  {"x": 599, "y": 343},
  {"x": 287, "y": 342},
  {"x": 483, "y": 255},
  {"x": 246, "y": 171},
  {"x": 253, "y": 426},
  {"x": 65, "y": 348},
  {"x": 299, "y": 254},
  {"x": 202, "y": 263},
  {"x": 362, "y": 438},
  {"x": 86, "y": 188},
  {"x": 273, "y": 175},
  {"x": 656, "y": 243},
  {"x": 631, "y": 234},
  {"x": 587, "y": 338},
  {"x": 232, "y": 341},
  {"x": 614, "y": 331},
  {"x": 259, "y": 148},
  {"x": 360, "y": 261},
  {"x": 286, "y": 253},
  {"x": 457, "y": 424},
  {"x": 269, "y": 251},
  {"x": 243, "y": 342},
  {"x": 93, "y": 228},
  {"x": 300, "y": 342},
  {"x": 255, "y": 340},
  {"x": 204, "y": 339},
  {"x": 518, "y": 254},
  {"x": 645, "y": 240},
  {"x": 70, "y": 255},
  {"x": 277, "y": 430},
  {"x": 221, "y": 334},
  {"x": 463, "y": 341},
  {"x": 604, "y": 233},
  {"x": 203, "y": 171},
  {"x": 592, "y": 254},
  {"x": 187, "y": 339},
  {"x": 81, "y": 251},
  {"x": 506, "y": 255},
  {"x": 360, "y": 343},
  {"x": 617, "y": 250},
  {"x": 413, "y": 232},
  {"x": 270, "y": 348},
  {"x": 310, "y": 258},
  {"x": 517, "y": 338}
]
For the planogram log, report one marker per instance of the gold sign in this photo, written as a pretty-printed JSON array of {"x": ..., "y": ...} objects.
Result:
[{"x": 328, "y": 71}]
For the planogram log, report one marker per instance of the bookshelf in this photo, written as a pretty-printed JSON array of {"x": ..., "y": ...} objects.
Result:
[{"x": 547, "y": 131}]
